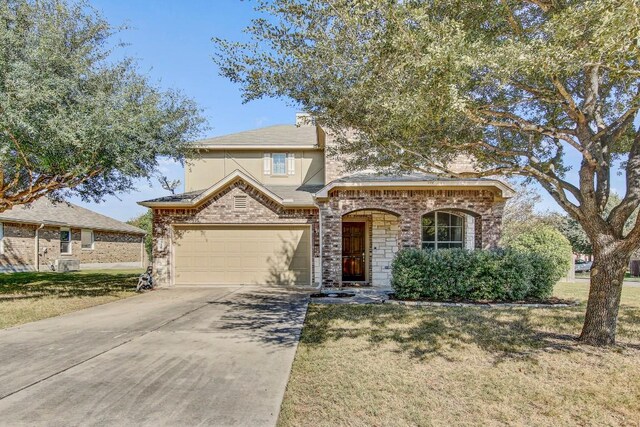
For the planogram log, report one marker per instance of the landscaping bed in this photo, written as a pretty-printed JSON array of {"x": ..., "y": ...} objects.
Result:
[{"x": 547, "y": 302}]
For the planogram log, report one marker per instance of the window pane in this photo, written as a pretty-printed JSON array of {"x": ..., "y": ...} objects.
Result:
[
  {"x": 87, "y": 239},
  {"x": 456, "y": 220},
  {"x": 429, "y": 233},
  {"x": 65, "y": 247},
  {"x": 456, "y": 234},
  {"x": 455, "y": 245},
  {"x": 279, "y": 164},
  {"x": 428, "y": 245},
  {"x": 444, "y": 233},
  {"x": 65, "y": 235}
]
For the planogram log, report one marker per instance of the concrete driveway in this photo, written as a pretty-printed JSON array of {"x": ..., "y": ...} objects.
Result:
[{"x": 192, "y": 356}]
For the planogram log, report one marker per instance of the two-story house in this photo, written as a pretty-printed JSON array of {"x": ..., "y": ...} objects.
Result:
[{"x": 270, "y": 206}]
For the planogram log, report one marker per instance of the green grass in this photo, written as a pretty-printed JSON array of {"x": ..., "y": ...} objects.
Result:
[
  {"x": 26, "y": 297},
  {"x": 627, "y": 278},
  {"x": 395, "y": 365}
]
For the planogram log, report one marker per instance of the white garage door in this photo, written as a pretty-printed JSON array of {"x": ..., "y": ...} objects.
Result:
[{"x": 242, "y": 255}]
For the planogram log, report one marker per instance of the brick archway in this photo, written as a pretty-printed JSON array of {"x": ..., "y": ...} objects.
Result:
[{"x": 408, "y": 206}]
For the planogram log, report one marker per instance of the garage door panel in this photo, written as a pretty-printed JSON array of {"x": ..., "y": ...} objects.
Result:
[{"x": 243, "y": 255}]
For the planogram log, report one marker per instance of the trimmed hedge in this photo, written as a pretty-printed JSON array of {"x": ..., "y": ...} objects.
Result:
[
  {"x": 459, "y": 274},
  {"x": 555, "y": 250}
]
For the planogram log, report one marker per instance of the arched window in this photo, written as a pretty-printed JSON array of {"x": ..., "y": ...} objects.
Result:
[{"x": 442, "y": 230}]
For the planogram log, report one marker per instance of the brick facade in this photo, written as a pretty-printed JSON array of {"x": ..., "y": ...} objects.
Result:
[
  {"x": 393, "y": 218},
  {"x": 408, "y": 206},
  {"x": 219, "y": 209},
  {"x": 19, "y": 247}
]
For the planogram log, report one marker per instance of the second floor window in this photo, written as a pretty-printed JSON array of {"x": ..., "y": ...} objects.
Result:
[{"x": 279, "y": 163}]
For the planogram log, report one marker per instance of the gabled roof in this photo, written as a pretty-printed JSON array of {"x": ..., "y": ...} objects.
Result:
[
  {"x": 285, "y": 195},
  {"x": 303, "y": 196},
  {"x": 285, "y": 136},
  {"x": 411, "y": 181},
  {"x": 44, "y": 211}
]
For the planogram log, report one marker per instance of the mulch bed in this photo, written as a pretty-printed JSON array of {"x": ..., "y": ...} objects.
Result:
[{"x": 333, "y": 295}]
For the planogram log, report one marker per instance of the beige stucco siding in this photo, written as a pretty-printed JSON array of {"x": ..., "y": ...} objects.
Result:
[{"x": 210, "y": 167}]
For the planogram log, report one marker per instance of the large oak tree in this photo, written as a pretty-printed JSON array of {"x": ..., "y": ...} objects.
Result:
[
  {"x": 73, "y": 119},
  {"x": 526, "y": 87}
]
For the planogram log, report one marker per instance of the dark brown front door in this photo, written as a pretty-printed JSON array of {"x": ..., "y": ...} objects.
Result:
[{"x": 353, "y": 251}]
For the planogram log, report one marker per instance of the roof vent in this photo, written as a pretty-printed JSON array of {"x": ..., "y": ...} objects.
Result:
[
  {"x": 240, "y": 203},
  {"x": 304, "y": 119}
]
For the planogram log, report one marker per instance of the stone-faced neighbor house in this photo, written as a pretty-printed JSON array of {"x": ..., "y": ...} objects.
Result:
[
  {"x": 269, "y": 206},
  {"x": 43, "y": 234}
]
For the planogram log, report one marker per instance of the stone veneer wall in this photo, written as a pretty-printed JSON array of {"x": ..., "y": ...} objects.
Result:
[
  {"x": 109, "y": 247},
  {"x": 383, "y": 238},
  {"x": 409, "y": 206},
  {"x": 219, "y": 210},
  {"x": 18, "y": 247}
]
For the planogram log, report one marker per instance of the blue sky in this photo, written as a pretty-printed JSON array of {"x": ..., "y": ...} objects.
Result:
[{"x": 172, "y": 42}]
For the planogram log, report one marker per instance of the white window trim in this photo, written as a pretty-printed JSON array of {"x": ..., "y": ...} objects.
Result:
[
  {"x": 70, "y": 240},
  {"x": 93, "y": 240},
  {"x": 267, "y": 163},
  {"x": 291, "y": 163},
  {"x": 273, "y": 169},
  {"x": 436, "y": 242}
]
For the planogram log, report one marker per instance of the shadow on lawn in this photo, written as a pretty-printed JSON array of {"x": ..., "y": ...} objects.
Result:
[
  {"x": 31, "y": 285},
  {"x": 427, "y": 332}
]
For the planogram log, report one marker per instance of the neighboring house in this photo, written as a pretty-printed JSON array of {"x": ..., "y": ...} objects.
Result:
[
  {"x": 270, "y": 206},
  {"x": 43, "y": 234}
]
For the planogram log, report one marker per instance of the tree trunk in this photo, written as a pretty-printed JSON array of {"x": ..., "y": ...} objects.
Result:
[{"x": 607, "y": 274}]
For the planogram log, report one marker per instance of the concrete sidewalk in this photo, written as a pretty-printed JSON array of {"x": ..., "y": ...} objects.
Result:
[{"x": 195, "y": 356}]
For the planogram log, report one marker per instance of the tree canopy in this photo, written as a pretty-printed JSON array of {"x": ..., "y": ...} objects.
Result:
[
  {"x": 72, "y": 118},
  {"x": 524, "y": 87}
]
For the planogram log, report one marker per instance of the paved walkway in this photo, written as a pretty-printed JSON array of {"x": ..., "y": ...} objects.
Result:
[{"x": 194, "y": 356}]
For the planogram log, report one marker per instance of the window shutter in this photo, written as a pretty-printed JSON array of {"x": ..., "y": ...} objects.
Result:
[
  {"x": 291, "y": 162},
  {"x": 267, "y": 163}
]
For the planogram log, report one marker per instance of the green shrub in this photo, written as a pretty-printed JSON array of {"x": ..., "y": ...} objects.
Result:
[
  {"x": 458, "y": 274},
  {"x": 554, "y": 255}
]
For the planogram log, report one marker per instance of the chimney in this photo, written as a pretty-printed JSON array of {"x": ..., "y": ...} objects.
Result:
[{"x": 304, "y": 119}]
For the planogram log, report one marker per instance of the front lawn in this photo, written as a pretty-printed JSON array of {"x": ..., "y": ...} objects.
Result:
[
  {"x": 627, "y": 278},
  {"x": 394, "y": 365},
  {"x": 25, "y": 297}
]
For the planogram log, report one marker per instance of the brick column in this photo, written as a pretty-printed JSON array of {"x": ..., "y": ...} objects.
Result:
[
  {"x": 331, "y": 245},
  {"x": 161, "y": 249},
  {"x": 492, "y": 226}
]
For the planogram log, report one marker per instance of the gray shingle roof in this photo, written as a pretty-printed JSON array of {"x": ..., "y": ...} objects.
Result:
[
  {"x": 299, "y": 195},
  {"x": 413, "y": 177},
  {"x": 45, "y": 211},
  {"x": 176, "y": 198},
  {"x": 272, "y": 135},
  {"x": 291, "y": 194}
]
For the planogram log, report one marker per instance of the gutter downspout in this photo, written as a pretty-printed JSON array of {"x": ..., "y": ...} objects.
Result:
[{"x": 37, "y": 247}]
